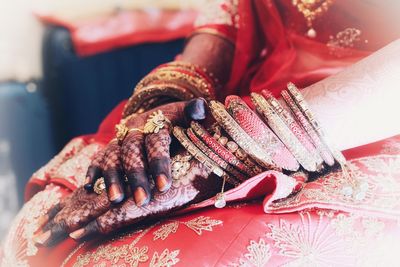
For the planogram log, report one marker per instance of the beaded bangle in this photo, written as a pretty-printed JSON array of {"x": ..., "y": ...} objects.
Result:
[
  {"x": 197, "y": 154},
  {"x": 303, "y": 106},
  {"x": 214, "y": 157},
  {"x": 226, "y": 121},
  {"x": 295, "y": 128},
  {"x": 321, "y": 147},
  {"x": 234, "y": 148},
  {"x": 219, "y": 149},
  {"x": 256, "y": 129},
  {"x": 284, "y": 133}
]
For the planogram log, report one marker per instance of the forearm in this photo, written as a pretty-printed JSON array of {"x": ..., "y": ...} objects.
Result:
[{"x": 211, "y": 52}]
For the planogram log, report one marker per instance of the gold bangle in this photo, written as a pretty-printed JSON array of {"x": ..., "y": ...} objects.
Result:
[
  {"x": 304, "y": 108},
  {"x": 195, "y": 69},
  {"x": 137, "y": 102},
  {"x": 198, "y": 86},
  {"x": 226, "y": 121},
  {"x": 283, "y": 132},
  {"x": 197, "y": 154}
]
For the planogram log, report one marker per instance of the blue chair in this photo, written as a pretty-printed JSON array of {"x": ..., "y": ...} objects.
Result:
[{"x": 82, "y": 91}]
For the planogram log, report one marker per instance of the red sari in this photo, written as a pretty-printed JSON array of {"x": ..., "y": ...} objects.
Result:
[{"x": 271, "y": 49}]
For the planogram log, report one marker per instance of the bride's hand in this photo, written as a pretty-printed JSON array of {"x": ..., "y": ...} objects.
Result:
[
  {"x": 141, "y": 157},
  {"x": 85, "y": 214}
]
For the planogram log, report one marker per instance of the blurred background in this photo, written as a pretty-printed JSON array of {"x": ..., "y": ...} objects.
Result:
[{"x": 64, "y": 65}]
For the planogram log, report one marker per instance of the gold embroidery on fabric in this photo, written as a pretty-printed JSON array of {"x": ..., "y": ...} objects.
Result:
[
  {"x": 72, "y": 254},
  {"x": 74, "y": 169},
  {"x": 374, "y": 185},
  {"x": 391, "y": 147},
  {"x": 165, "y": 230},
  {"x": 129, "y": 253},
  {"x": 308, "y": 243},
  {"x": 67, "y": 152},
  {"x": 219, "y": 12},
  {"x": 18, "y": 244},
  {"x": 202, "y": 223},
  {"x": 258, "y": 254},
  {"x": 341, "y": 44},
  {"x": 132, "y": 254},
  {"x": 165, "y": 259},
  {"x": 198, "y": 225}
]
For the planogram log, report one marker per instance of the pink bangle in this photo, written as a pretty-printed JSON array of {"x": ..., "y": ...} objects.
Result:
[
  {"x": 260, "y": 132},
  {"x": 293, "y": 126}
]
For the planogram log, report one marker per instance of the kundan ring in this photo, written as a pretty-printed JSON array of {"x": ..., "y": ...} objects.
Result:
[
  {"x": 99, "y": 186},
  {"x": 121, "y": 131},
  {"x": 156, "y": 122}
]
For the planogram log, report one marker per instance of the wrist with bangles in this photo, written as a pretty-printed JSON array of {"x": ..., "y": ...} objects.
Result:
[
  {"x": 293, "y": 133},
  {"x": 172, "y": 81}
]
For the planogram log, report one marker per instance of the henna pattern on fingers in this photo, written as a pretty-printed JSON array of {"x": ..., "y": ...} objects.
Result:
[{"x": 158, "y": 155}]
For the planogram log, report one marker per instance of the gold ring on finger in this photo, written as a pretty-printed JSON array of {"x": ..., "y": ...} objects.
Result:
[
  {"x": 99, "y": 186},
  {"x": 156, "y": 122}
]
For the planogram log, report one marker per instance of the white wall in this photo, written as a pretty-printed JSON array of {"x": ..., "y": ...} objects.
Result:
[{"x": 21, "y": 33}]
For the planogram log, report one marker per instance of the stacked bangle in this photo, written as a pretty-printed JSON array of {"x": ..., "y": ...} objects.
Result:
[
  {"x": 214, "y": 157},
  {"x": 295, "y": 128},
  {"x": 321, "y": 147},
  {"x": 260, "y": 132},
  {"x": 180, "y": 134},
  {"x": 240, "y": 144},
  {"x": 239, "y": 135},
  {"x": 234, "y": 148},
  {"x": 284, "y": 133},
  {"x": 173, "y": 81},
  {"x": 303, "y": 106},
  {"x": 219, "y": 149}
]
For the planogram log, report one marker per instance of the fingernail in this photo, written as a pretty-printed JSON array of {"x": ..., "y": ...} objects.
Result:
[
  {"x": 42, "y": 238},
  {"x": 78, "y": 234},
  {"x": 140, "y": 196},
  {"x": 162, "y": 183},
  {"x": 195, "y": 109},
  {"x": 43, "y": 220},
  {"x": 115, "y": 194}
]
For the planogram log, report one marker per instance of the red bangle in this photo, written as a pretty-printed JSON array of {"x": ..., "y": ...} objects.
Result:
[
  {"x": 214, "y": 157},
  {"x": 223, "y": 152}
]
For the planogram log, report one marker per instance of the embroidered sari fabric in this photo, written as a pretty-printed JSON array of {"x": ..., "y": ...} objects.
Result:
[{"x": 334, "y": 220}]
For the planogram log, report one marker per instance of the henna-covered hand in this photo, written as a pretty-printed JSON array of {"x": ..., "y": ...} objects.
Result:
[
  {"x": 141, "y": 158},
  {"x": 85, "y": 214}
]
